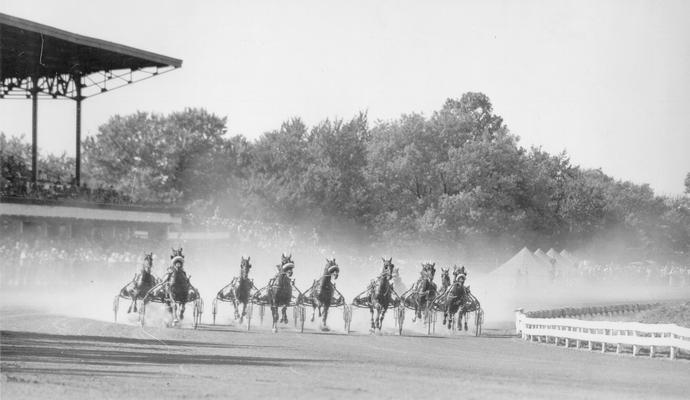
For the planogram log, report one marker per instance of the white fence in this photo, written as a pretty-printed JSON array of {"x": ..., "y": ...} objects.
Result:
[{"x": 604, "y": 334}]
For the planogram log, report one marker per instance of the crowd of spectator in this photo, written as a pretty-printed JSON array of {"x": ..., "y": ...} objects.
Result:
[
  {"x": 58, "y": 189},
  {"x": 641, "y": 273},
  {"x": 40, "y": 261},
  {"x": 27, "y": 260}
]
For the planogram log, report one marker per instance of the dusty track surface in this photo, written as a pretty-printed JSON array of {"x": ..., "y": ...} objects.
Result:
[{"x": 49, "y": 356}]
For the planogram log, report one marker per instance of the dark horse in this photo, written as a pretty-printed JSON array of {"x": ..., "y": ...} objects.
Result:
[
  {"x": 455, "y": 299},
  {"x": 280, "y": 290},
  {"x": 178, "y": 288},
  {"x": 239, "y": 289},
  {"x": 445, "y": 281},
  {"x": 321, "y": 294},
  {"x": 379, "y": 295},
  {"x": 142, "y": 282},
  {"x": 423, "y": 291}
]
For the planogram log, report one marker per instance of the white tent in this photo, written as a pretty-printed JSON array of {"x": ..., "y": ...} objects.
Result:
[{"x": 522, "y": 269}]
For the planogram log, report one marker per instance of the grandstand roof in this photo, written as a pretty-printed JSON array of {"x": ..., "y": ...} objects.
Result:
[{"x": 61, "y": 60}]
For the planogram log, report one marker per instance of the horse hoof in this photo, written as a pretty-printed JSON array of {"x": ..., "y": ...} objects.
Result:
[
  {"x": 324, "y": 328},
  {"x": 274, "y": 330}
]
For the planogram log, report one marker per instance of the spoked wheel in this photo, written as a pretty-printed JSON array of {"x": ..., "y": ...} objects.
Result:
[
  {"x": 142, "y": 312},
  {"x": 428, "y": 316},
  {"x": 400, "y": 312},
  {"x": 250, "y": 309},
  {"x": 116, "y": 306},
  {"x": 214, "y": 309},
  {"x": 347, "y": 317},
  {"x": 197, "y": 311},
  {"x": 302, "y": 317},
  {"x": 478, "y": 321}
]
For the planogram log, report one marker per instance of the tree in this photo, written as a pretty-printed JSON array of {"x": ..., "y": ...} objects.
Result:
[{"x": 158, "y": 158}]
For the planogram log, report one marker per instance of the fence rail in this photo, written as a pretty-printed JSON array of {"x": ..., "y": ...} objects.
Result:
[{"x": 604, "y": 334}]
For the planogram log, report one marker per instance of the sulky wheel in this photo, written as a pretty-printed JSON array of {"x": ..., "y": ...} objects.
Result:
[
  {"x": 400, "y": 312},
  {"x": 198, "y": 311},
  {"x": 195, "y": 313},
  {"x": 214, "y": 309},
  {"x": 478, "y": 321},
  {"x": 116, "y": 306},
  {"x": 302, "y": 317},
  {"x": 347, "y": 317},
  {"x": 427, "y": 319},
  {"x": 142, "y": 311}
]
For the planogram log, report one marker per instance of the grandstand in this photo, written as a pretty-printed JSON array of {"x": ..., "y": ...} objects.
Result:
[{"x": 37, "y": 60}]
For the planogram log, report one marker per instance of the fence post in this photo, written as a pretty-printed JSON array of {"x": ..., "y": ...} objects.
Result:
[
  {"x": 519, "y": 315},
  {"x": 672, "y": 353}
]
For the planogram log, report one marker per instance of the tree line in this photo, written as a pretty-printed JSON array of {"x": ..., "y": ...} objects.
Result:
[{"x": 455, "y": 178}]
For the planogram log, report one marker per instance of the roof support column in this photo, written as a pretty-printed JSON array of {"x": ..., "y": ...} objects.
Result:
[
  {"x": 77, "y": 153},
  {"x": 34, "y": 128}
]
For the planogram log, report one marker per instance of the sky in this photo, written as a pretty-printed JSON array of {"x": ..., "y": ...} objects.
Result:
[{"x": 607, "y": 81}]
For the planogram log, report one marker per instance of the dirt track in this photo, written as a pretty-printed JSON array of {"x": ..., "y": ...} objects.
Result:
[{"x": 50, "y": 356}]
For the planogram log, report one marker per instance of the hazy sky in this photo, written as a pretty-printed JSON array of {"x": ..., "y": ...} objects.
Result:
[{"x": 608, "y": 81}]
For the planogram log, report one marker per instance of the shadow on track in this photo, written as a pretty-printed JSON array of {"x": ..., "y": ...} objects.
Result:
[
  {"x": 105, "y": 340},
  {"x": 63, "y": 350}
]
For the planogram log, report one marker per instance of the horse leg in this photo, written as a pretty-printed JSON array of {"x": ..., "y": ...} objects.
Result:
[
  {"x": 382, "y": 314},
  {"x": 313, "y": 311},
  {"x": 182, "y": 310},
  {"x": 284, "y": 317},
  {"x": 325, "y": 317},
  {"x": 373, "y": 324},
  {"x": 465, "y": 322},
  {"x": 234, "y": 304},
  {"x": 274, "y": 312}
]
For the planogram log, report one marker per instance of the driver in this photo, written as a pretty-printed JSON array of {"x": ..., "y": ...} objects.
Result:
[{"x": 175, "y": 264}]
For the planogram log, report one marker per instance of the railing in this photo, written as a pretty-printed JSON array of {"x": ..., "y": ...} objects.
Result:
[
  {"x": 569, "y": 312},
  {"x": 604, "y": 334},
  {"x": 94, "y": 204}
]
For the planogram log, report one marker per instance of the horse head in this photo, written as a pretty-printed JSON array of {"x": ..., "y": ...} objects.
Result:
[
  {"x": 331, "y": 268},
  {"x": 148, "y": 262},
  {"x": 388, "y": 268},
  {"x": 459, "y": 273},
  {"x": 286, "y": 266},
  {"x": 429, "y": 270},
  {"x": 176, "y": 253},
  {"x": 245, "y": 266},
  {"x": 445, "y": 277}
]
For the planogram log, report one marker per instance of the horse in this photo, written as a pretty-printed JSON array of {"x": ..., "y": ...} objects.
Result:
[
  {"x": 445, "y": 281},
  {"x": 397, "y": 281},
  {"x": 239, "y": 289},
  {"x": 423, "y": 291},
  {"x": 142, "y": 282},
  {"x": 321, "y": 293},
  {"x": 178, "y": 289},
  {"x": 456, "y": 298},
  {"x": 280, "y": 290},
  {"x": 380, "y": 293}
]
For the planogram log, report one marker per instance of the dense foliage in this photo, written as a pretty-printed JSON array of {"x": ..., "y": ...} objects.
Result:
[{"x": 456, "y": 178}]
